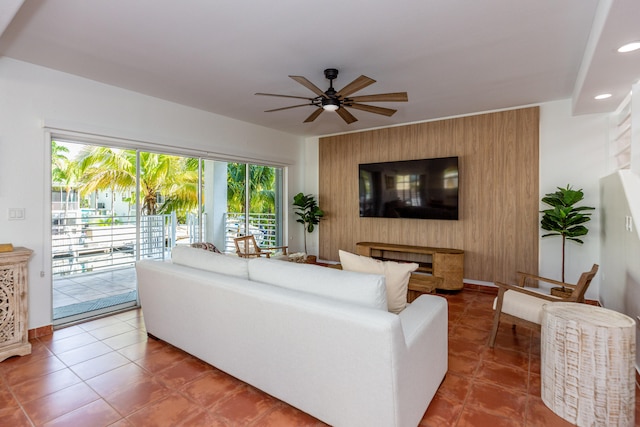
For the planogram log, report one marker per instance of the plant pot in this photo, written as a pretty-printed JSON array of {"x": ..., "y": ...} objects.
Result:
[
  {"x": 310, "y": 259},
  {"x": 562, "y": 293}
]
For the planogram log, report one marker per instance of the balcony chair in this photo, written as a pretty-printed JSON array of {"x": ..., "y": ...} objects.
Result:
[
  {"x": 246, "y": 247},
  {"x": 520, "y": 306}
]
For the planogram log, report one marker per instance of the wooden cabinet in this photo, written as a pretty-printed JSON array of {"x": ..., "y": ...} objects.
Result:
[
  {"x": 446, "y": 266},
  {"x": 14, "y": 332}
]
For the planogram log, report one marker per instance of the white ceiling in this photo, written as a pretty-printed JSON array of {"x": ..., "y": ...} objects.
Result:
[{"x": 453, "y": 57}]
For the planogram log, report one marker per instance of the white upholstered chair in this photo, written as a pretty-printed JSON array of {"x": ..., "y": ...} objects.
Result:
[{"x": 521, "y": 306}]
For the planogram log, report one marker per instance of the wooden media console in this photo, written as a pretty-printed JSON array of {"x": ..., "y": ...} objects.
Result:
[{"x": 442, "y": 267}]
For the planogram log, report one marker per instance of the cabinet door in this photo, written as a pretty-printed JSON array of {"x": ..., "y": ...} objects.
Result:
[{"x": 9, "y": 304}]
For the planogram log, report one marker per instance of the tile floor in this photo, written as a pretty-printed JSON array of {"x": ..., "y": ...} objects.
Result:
[
  {"x": 79, "y": 288},
  {"x": 106, "y": 372}
]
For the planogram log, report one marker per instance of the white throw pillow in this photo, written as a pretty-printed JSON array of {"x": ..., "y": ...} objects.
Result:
[
  {"x": 396, "y": 275},
  {"x": 363, "y": 289},
  {"x": 210, "y": 261}
]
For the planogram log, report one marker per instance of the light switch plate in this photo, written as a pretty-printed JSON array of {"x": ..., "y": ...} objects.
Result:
[{"x": 16, "y": 214}]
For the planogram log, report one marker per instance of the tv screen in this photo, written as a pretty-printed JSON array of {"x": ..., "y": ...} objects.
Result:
[{"x": 426, "y": 189}]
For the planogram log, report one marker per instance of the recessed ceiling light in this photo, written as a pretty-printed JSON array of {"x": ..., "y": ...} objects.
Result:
[
  {"x": 602, "y": 96},
  {"x": 629, "y": 47}
]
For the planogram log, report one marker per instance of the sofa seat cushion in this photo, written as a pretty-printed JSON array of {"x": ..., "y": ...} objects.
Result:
[
  {"x": 367, "y": 290},
  {"x": 210, "y": 261},
  {"x": 396, "y": 275}
]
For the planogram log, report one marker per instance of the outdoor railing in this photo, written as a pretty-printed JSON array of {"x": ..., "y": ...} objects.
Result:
[
  {"x": 262, "y": 226},
  {"x": 82, "y": 244},
  {"x": 94, "y": 243}
]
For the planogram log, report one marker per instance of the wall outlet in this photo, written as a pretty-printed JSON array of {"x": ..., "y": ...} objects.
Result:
[{"x": 628, "y": 223}]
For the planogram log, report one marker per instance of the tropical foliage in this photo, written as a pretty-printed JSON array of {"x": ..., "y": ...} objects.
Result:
[
  {"x": 168, "y": 183},
  {"x": 308, "y": 212},
  {"x": 261, "y": 188},
  {"x": 564, "y": 218}
]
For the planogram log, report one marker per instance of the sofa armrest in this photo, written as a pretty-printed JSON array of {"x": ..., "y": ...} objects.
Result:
[{"x": 421, "y": 315}]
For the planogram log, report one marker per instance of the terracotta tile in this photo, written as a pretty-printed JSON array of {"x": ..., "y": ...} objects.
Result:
[
  {"x": 515, "y": 359},
  {"x": 455, "y": 386},
  {"x": 123, "y": 423},
  {"x": 6, "y": 398},
  {"x": 482, "y": 311},
  {"x": 59, "y": 403},
  {"x": 118, "y": 379},
  {"x": 138, "y": 395},
  {"x": 100, "y": 323},
  {"x": 99, "y": 365},
  {"x": 33, "y": 369},
  {"x": 84, "y": 353},
  {"x": 41, "y": 386},
  {"x": 245, "y": 406},
  {"x": 504, "y": 376},
  {"x": 461, "y": 347},
  {"x": 535, "y": 384},
  {"x": 534, "y": 365},
  {"x": 212, "y": 387},
  {"x": 283, "y": 415},
  {"x": 442, "y": 411},
  {"x": 111, "y": 330},
  {"x": 38, "y": 352},
  {"x": 480, "y": 323},
  {"x": 463, "y": 365},
  {"x": 169, "y": 412},
  {"x": 472, "y": 417},
  {"x": 473, "y": 335},
  {"x": 162, "y": 359},
  {"x": 14, "y": 417},
  {"x": 183, "y": 372},
  {"x": 97, "y": 413},
  {"x": 205, "y": 419},
  {"x": 513, "y": 341},
  {"x": 69, "y": 343},
  {"x": 141, "y": 349},
  {"x": 491, "y": 399},
  {"x": 538, "y": 415},
  {"x": 125, "y": 339}
]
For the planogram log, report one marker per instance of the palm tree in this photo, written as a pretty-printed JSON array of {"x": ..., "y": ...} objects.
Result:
[
  {"x": 63, "y": 170},
  {"x": 115, "y": 169},
  {"x": 261, "y": 188}
]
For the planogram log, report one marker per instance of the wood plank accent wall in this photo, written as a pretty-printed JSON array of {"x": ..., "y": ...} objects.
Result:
[{"x": 499, "y": 195}]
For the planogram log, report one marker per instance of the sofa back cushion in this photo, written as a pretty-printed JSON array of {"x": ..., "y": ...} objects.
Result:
[
  {"x": 210, "y": 261},
  {"x": 367, "y": 290},
  {"x": 396, "y": 274}
]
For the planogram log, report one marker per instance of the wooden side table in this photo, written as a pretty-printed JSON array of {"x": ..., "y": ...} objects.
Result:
[{"x": 587, "y": 364}]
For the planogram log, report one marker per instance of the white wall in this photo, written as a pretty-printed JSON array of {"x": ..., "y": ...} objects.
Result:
[
  {"x": 572, "y": 151},
  {"x": 32, "y": 95}
]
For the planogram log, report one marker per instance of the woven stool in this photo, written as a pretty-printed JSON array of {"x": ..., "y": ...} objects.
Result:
[{"x": 587, "y": 366}]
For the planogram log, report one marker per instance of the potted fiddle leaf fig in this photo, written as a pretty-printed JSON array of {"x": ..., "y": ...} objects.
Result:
[
  {"x": 566, "y": 220},
  {"x": 308, "y": 212}
]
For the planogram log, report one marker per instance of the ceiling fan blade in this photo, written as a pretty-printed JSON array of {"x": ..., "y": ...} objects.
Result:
[
  {"x": 359, "y": 83},
  {"x": 371, "y": 109},
  {"x": 382, "y": 97},
  {"x": 283, "y": 96},
  {"x": 346, "y": 116},
  {"x": 287, "y": 108},
  {"x": 306, "y": 83},
  {"x": 314, "y": 115}
]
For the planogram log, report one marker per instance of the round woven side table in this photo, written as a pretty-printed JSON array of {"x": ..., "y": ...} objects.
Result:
[{"x": 587, "y": 366}]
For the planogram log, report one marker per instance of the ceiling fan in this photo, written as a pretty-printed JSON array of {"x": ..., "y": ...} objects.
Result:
[{"x": 332, "y": 100}]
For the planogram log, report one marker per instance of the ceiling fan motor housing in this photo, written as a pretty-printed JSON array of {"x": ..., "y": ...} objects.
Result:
[{"x": 331, "y": 73}]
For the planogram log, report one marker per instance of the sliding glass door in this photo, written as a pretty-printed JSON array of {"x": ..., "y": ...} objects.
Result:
[{"x": 113, "y": 206}]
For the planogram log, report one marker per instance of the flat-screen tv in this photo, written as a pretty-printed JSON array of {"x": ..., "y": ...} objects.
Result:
[{"x": 425, "y": 189}]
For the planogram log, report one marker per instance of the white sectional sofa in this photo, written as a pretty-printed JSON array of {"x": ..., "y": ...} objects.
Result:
[{"x": 317, "y": 338}]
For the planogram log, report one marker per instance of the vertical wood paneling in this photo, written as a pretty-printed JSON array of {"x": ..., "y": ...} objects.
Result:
[{"x": 498, "y": 161}]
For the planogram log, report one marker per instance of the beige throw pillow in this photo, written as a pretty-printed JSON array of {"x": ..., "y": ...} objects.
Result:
[{"x": 396, "y": 276}]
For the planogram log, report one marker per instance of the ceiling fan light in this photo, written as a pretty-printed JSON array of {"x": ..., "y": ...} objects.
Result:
[{"x": 330, "y": 104}]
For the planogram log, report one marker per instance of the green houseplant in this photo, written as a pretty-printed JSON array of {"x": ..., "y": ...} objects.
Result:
[
  {"x": 564, "y": 218},
  {"x": 308, "y": 212}
]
